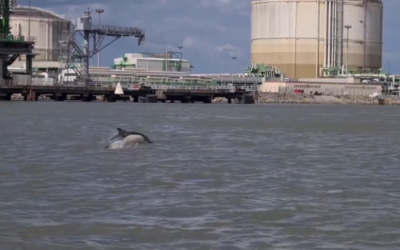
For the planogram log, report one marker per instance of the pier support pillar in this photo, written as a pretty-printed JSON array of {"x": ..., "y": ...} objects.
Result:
[
  {"x": 151, "y": 99},
  {"x": 184, "y": 100},
  {"x": 28, "y": 66},
  {"x": 5, "y": 96},
  {"x": 207, "y": 99},
  {"x": 87, "y": 98},
  {"x": 247, "y": 99},
  {"x": 31, "y": 96},
  {"x": 74, "y": 97},
  {"x": 111, "y": 98},
  {"x": 229, "y": 100},
  {"x": 58, "y": 97},
  {"x": 135, "y": 98},
  {"x": 172, "y": 101}
]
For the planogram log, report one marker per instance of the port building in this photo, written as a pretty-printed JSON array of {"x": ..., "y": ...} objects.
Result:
[
  {"x": 153, "y": 62},
  {"x": 307, "y": 38}
]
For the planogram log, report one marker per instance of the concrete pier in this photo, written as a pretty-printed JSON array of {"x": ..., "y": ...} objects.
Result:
[{"x": 87, "y": 94}]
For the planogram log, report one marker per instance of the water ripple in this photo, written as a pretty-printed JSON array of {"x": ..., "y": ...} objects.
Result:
[{"x": 220, "y": 177}]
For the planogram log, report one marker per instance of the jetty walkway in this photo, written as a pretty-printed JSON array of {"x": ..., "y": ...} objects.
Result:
[{"x": 107, "y": 91}]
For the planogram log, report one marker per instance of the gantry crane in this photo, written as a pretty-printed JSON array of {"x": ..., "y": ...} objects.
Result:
[{"x": 74, "y": 55}]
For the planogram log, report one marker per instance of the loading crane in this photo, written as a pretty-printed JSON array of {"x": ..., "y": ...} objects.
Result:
[{"x": 75, "y": 55}]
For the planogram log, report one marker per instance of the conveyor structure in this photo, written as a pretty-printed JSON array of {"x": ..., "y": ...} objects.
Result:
[{"x": 78, "y": 58}]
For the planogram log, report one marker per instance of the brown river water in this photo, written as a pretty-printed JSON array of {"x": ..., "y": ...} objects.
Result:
[{"x": 217, "y": 176}]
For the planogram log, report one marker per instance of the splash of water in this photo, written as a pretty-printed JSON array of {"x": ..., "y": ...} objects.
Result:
[
  {"x": 129, "y": 142},
  {"x": 116, "y": 145}
]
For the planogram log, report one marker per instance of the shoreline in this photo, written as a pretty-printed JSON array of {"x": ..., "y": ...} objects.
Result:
[{"x": 293, "y": 98}]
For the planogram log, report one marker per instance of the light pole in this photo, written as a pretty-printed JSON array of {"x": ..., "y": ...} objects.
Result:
[
  {"x": 222, "y": 65},
  {"x": 99, "y": 11},
  {"x": 29, "y": 21},
  {"x": 364, "y": 42},
  {"x": 180, "y": 47},
  {"x": 233, "y": 67},
  {"x": 348, "y": 27}
]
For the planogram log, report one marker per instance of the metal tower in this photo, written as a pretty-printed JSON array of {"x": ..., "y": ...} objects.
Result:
[
  {"x": 78, "y": 59},
  {"x": 365, "y": 7},
  {"x": 11, "y": 47},
  {"x": 339, "y": 17}
]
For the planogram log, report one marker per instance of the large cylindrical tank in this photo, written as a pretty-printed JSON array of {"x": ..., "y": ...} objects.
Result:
[
  {"x": 300, "y": 37},
  {"x": 46, "y": 28}
]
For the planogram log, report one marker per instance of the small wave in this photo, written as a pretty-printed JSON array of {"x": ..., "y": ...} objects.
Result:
[
  {"x": 128, "y": 142},
  {"x": 116, "y": 145},
  {"x": 121, "y": 144}
]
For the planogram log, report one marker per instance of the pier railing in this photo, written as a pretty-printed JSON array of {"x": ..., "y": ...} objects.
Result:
[
  {"x": 49, "y": 82},
  {"x": 205, "y": 87}
]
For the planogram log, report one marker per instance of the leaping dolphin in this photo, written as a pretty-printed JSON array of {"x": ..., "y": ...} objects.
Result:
[{"x": 138, "y": 137}]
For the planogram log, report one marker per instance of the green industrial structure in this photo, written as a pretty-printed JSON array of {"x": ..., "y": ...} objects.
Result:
[
  {"x": 12, "y": 47},
  {"x": 169, "y": 61}
]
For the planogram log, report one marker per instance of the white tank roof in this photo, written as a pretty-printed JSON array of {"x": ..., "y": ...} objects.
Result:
[{"x": 36, "y": 12}]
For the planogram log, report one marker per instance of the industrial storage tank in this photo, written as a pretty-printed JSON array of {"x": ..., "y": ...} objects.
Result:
[
  {"x": 300, "y": 37},
  {"x": 46, "y": 28}
]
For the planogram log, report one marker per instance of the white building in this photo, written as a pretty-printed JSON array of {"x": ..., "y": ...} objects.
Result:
[{"x": 140, "y": 61}]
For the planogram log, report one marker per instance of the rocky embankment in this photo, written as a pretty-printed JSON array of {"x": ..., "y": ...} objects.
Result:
[
  {"x": 366, "y": 100},
  {"x": 310, "y": 99},
  {"x": 359, "y": 100},
  {"x": 17, "y": 97},
  {"x": 286, "y": 98},
  {"x": 392, "y": 100},
  {"x": 276, "y": 98},
  {"x": 220, "y": 100}
]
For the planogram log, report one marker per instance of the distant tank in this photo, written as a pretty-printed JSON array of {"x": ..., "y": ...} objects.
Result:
[
  {"x": 46, "y": 29},
  {"x": 285, "y": 34}
]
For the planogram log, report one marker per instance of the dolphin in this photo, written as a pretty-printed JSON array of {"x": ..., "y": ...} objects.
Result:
[{"x": 131, "y": 136}]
